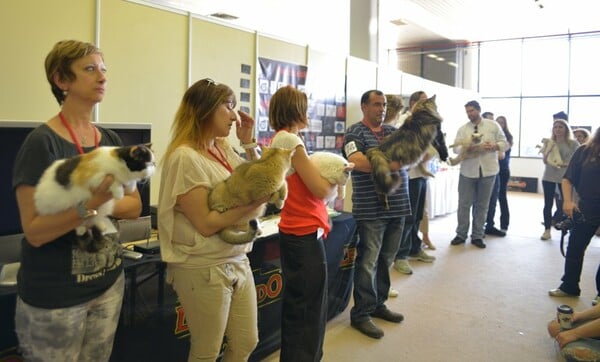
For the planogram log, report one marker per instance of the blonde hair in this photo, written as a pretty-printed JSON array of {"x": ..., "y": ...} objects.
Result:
[
  {"x": 568, "y": 135},
  {"x": 394, "y": 106},
  {"x": 287, "y": 107},
  {"x": 193, "y": 121},
  {"x": 59, "y": 61}
]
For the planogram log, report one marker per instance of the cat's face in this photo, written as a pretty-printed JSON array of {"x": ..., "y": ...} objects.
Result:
[
  {"x": 425, "y": 111},
  {"x": 139, "y": 159}
]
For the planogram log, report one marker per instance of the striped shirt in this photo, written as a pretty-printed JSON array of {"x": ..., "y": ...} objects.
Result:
[{"x": 366, "y": 204}]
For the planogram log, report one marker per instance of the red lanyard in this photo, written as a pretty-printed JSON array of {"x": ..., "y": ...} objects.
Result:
[
  {"x": 379, "y": 136},
  {"x": 77, "y": 144},
  {"x": 222, "y": 160}
]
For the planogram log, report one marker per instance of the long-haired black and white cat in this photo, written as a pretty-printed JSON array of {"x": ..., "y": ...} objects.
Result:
[{"x": 67, "y": 182}]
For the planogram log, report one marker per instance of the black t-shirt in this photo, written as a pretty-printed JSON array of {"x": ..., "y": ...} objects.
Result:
[
  {"x": 584, "y": 176},
  {"x": 58, "y": 274}
]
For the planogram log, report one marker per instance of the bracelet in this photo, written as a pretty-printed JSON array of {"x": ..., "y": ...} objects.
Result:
[
  {"x": 85, "y": 213},
  {"x": 250, "y": 145}
]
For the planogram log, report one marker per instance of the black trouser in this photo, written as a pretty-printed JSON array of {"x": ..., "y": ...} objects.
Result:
[
  {"x": 304, "y": 306},
  {"x": 549, "y": 190}
]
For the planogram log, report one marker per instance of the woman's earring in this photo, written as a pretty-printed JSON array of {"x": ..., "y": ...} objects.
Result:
[{"x": 65, "y": 92}]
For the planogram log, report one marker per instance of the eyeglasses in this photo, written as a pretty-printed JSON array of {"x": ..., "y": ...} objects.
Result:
[{"x": 476, "y": 129}]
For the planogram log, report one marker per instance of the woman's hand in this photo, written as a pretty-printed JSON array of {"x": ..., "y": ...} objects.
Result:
[
  {"x": 244, "y": 127},
  {"x": 569, "y": 207}
]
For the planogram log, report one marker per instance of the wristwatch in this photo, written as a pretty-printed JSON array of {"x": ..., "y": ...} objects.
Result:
[{"x": 85, "y": 213}]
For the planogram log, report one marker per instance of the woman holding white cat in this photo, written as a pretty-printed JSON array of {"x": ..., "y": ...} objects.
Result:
[
  {"x": 303, "y": 227},
  {"x": 212, "y": 278},
  {"x": 552, "y": 178},
  {"x": 69, "y": 299}
]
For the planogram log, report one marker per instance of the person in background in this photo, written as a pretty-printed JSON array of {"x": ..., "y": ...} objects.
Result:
[
  {"x": 558, "y": 213},
  {"x": 379, "y": 227},
  {"x": 213, "y": 279},
  {"x": 582, "y": 135},
  {"x": 393, "y": 111},
  {"x": 500, "y": 187},
  {"x": 303, "y": 226},
  {"x": 68, "y": 300},
  {"x": 582, "y": 342},
  {"x": 582, "y": 174},
  {"x": 477, "y": 174},
  {"x": 552, "y": 177},
  {"x": 488, "y": 115},
  {"x": 410, "y": 245}
]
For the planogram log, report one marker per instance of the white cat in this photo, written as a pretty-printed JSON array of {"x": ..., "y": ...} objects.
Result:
[
  {"x": 550, "y": 150},
  {"x": 66, "y": 183},
  {"x": 335, "y": 169}
]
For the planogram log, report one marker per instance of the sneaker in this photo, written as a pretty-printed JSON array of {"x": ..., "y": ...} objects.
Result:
[
  {"x": 457, "y": 241},
  {"x": 478, "y": 243},
  {"x": 546, "y": 235},
  {"x": 596, "y": 300},
  {"x": 495, "y": 232},
  {"x": 402, "y": 266},
  {"x": 422, "y": 256},
  {"x": 367, "y": 328},
  {"x": 393, "y": 293},
  {"x": 559, "y": 293},
  {"x": 387, "y": 315}
]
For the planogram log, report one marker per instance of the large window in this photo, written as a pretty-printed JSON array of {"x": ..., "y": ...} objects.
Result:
[{"x": 529, "y": 80}]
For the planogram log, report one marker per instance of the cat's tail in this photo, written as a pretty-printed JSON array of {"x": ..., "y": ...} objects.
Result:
[
  {"x": 384, "y": 179},
  {"x": 233, "y": 235}
]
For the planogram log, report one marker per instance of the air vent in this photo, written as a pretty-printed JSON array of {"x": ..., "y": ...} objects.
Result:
[
  {"x": 224, "y": 16},
  {"x": 398, "y": 22}
]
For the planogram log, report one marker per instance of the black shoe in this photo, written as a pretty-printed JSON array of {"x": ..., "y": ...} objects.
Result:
[
  {"x": 478, "y": 243},
  {"x": 388, "y": 315},
  {"x": 495, "y": 232},
  {"x": 368, "y": 328},
  {"x": 457, "y": 241}
]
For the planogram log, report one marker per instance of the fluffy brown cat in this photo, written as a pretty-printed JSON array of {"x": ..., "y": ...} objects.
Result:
[
  {"x": 406, "y": 145},
  {"x": 249, "y": 182}
]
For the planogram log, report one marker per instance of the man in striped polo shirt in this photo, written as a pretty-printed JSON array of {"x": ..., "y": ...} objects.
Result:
[{"x": 379, "y": 223}]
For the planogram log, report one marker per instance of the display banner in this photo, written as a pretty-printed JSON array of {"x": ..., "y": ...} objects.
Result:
[{"x": 273, "y": 75}]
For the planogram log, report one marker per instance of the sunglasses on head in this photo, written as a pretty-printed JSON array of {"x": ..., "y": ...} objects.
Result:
[{"x": 209, "y": 81}]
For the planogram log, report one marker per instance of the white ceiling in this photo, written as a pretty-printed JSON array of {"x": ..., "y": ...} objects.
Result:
[{"x": 427, "y": 21}]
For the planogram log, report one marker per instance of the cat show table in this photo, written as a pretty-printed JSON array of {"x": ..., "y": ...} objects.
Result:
[
  {"x": 153, "y": 327},
  {"x": 442, "y": 191}
]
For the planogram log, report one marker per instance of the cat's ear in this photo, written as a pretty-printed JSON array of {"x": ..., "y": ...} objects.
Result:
[
  {"x": 349, "y": 167},
  {"x": 149, "y": 145},
  {"x": 433, "y": 97}
]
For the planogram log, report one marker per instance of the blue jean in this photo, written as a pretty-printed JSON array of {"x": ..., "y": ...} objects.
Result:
[
  {"x": 377, "y": 246},
  {"x": 410, "y": 243},
  {"x": 304, "y": 306},
  {"x": 502, "y": 198},
  {"x": 473, "y": 193},
  {"x": 579, "y": 239},
  {"x": 491, "y": 214}
]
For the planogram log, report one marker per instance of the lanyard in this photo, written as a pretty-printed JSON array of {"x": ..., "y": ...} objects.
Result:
[
  {"x": 222, "y": 160},
  {"x": 379, "y": 136},
  {"x": 77, "y": 144}
]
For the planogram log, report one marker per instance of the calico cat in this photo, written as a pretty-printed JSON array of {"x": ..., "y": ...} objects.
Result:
[
  {"x": 249, "y": 182},
  {"x": 335, "y": 169},
  {"x": 67, "y": 183},
  {"x": 474, "y": 140},
  {"x": 406, "y": 145}
]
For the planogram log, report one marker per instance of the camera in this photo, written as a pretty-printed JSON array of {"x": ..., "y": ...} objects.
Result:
[{"x": 567, "y": 223}]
